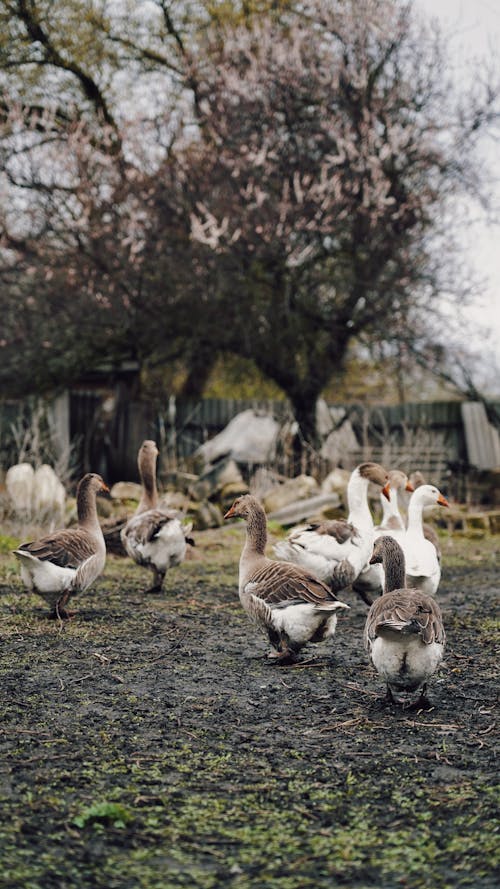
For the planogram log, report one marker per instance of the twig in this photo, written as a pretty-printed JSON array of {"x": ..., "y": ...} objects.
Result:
[
  {"x": 440, "y": 725},
  {"x": 486, "y": 731},
  {"x": 81, "y": 678},
  {"x": 338, "y": 725},
  {"x": 362, "y": 691}
]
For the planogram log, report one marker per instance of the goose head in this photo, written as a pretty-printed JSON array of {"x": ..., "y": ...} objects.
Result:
[
  {"x": 243, "y": 507},
  {"x": 429, "y": 495},
  {"x": 385, "y": 547},
  {"x": 374, "y": 472},
  {"x": 92, "y": 483},
  {"x": 148, "y": 452},
  {"x": 396, "y": 480}
]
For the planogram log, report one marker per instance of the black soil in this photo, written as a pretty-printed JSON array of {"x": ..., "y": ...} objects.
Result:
[{"x": 147, "y": 742}]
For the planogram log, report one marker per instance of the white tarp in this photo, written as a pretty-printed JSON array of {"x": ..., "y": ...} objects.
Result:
[{"x": 249, "y": 437}]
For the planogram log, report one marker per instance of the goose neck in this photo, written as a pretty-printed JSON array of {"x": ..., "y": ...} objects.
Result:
[
  {"x": 394, "y": 566},
  {"x": 149, "y": 495},
  {"x": 390, "y": 507},
  {"x": 87, "y": 509},
  {"x": 415, "y": 513},
  {"x": 357, "y": 500},
  {"x": 256, "y": 538}
]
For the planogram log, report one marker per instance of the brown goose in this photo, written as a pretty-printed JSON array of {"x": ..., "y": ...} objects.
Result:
[
  {"x": 154, "y": 537},
  {"x": 337, "y": 551},
  {"x": 67, "y": 561},
  {"x": 404, "y": 632},
  {"x": 287, "y": 601}
]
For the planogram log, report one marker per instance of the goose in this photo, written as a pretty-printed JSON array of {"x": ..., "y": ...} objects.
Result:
[
  {"x": 423, "y": 559},
  {"x": 392, "y": 519},
  {"x": 417, "y": 478},
  {"x": 154, "y": 537},
  {"x": 370, "y": 581},
  {"x": 404, "y": 633},
  {"x": 66, "y": 562},
  {"x": 288, "y": 602},
  {"x": 336, "y": 551}
]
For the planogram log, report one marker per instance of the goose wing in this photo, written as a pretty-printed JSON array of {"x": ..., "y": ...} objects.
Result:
[
  {"x": 406, "y": 611},
  {"x": 329, "y": 539},
  {"x": 278, "y": 582},
  {"x": 68, "y": 548},
  {"x": 147, "y": 525}
]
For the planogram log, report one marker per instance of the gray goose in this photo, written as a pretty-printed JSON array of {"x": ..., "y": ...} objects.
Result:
[
  {"x": 404, "y": 632},
  {"x": 337, "y": 551},
  {"x": 154, "y": 537},
  {"x": 66, "y": 562},
  {"x": 290, "y": 604}
]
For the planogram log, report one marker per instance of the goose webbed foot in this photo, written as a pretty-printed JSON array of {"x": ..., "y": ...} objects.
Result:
[
  {"x": 421, "y": 703},
  {"x": 283, "y": 657},
  {"x": 61, "y": 613}
]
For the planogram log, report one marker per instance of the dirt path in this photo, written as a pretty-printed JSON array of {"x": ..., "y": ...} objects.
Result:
[{"x": 149, "y": 743}]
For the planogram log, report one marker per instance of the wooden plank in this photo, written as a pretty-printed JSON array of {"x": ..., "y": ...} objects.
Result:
[{"x": 482, "y": 439}]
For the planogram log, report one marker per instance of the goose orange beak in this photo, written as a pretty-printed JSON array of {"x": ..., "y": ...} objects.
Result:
[
  {"x": 230, "y": 513},
  {"x": 442, "y": 501},
  {"x": 386, "y": 491},
  {"x": 409, "y": 487}
]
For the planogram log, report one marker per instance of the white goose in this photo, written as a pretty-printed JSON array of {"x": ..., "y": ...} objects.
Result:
[
  {"x": 336, "y": 551},
  {"x": 370, "y": 581},
  {"x": 423, "y": 559},
  {"x": 67, "y": 561},
  {"x": 404, "y": 632},
  {"x": 291, "y": 605},
  {"x": 154, "y": 537}
]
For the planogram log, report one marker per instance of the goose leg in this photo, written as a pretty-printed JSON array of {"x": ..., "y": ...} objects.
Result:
[
  {"x": 158, "y": 578},
  {"x": 389, "y": 696},
  {"x": 60, "y": 612}
]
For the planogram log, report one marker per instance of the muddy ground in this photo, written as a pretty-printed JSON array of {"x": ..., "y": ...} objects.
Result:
[{"x": 148, "y": 743}]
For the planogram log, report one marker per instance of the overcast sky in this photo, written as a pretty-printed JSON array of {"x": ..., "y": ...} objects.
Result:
[{"x": 473, "y": 27}]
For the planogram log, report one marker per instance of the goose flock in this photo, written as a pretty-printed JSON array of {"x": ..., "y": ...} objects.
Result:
[
  {"x": 394, "y": 567},
  {"x": 293, "y": 598}
]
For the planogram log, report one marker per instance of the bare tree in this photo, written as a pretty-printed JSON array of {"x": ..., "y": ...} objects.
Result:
[
  {"x": 331, "y": 150},
  {"x": 281, "y": 200}
]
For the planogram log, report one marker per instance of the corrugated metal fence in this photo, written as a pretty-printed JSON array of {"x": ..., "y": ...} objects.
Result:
[{"x": 105, "y": 431}]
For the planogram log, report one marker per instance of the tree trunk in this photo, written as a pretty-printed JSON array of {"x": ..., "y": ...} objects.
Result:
[
  {"x": 201, "y": 363},
  {"x": 304, "y": 410}
]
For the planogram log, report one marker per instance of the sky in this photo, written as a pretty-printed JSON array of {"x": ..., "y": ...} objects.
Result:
[{"x": 472, "y": 28}]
